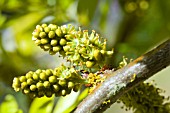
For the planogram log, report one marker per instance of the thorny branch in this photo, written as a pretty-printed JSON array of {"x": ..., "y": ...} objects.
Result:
[{"x": 122, "y": 80}]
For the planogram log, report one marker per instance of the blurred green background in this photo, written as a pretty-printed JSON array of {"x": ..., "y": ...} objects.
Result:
[{"x": 131, "y": 27}]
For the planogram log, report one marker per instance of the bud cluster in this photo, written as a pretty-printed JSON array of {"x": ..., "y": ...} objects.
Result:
[
  {"x": 52, "y": 37},
  {"x": 60, "y": 81},
  {"x": 145, "y": 98},
  {"x": 80, "y": 47}
]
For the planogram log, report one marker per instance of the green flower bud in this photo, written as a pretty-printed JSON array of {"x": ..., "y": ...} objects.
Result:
[
  {"x": 34, "y": 38},
  {"x": 39, "y": 85},
  {"x": 52, "y": 79},
  {"x": 43, "y": 76},
  {"x": 33, "y": 87},
  {"x": 44, "y": 25},
  {"x": 30, "y": 81},
  {"x": 16, "y": 88},
  {"x": 44, "y": 40},
  {"x": 51, "y": 52},
  {"x": 76, "y": 57},
  {"x": 23, "y": 85},
  {"x": 66, "y": 48},
  {"x": 42, "y": 34},
  {"x": 35, "y": 34},
  {"x": 83, "y": 50},
  {"x": 38, "y": 42},
  {"x": 54, "y": 42},
  {"x": 103, "y": 52},
  {"x": 62, "y": 52},
  {"x": 38, "y": 71},
  {"x": 90, "y": 64},
  {"x": 42, "y": 47},
  {"x": 97, "y": 55},
  {"x": 70, "y": 85},
  {"x": 35, "y": 76},
  {"x": 97, "y": 42},
  {"x": 53, "y": 27},
  {"x": 59, "y": 32},
  {"x": 26, "y": 91},
  {"x": 47, "y": 46},
  {"x": 50, "y": 25},
  {"x": 38, "y": 26},
  {"x": 48, "y": 93},
  {"x": 69, "y": 37},
  {"x": 109, "y": 53},
  {"x": 69, "y": 53},
  {"x": 76, "y": 87},
  {"x": 56, "y": 88},
  {"x": 47, "y": 29},
  {"x": 63, "y": 42},
  {"x": 40, "y": 94},
  {"x": 57, "y": 48},
  {"x": 22, "y": 79},
  {"x": 46, "y": 84},
  {"x": 16, "y": 82},
  {"x": 62, "y": 82},
  {"x": 64, "y": 29},
  {"x": 63, "y": 92},
  {"x": 29, "y": 75},
  {"x": 51, "y": 34},
  {"x": 49, "y": 72}
]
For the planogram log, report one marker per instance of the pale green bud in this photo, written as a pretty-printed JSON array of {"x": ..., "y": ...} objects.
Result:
[
  {"x": 57, "y": 48},
  {"x": 51, "y": 34},
  {"x": 44, "y": 40},
  {"x": 59, "y": 32},
  {"x": 42, "y": 34},
  {"x": 54, "y": 42},
  {"x": 63, "y": 42}
]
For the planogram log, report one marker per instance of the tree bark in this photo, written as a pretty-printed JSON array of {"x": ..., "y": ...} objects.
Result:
[{"x": 119, "y": 82}]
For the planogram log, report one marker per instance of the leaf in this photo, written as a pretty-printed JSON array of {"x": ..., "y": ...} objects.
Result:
[
  {"x": 70, "y": 102},
  {"x": 86, "y": 10},
  {"x": 9, "y": 105},
  {"x": 64, "y": 103},
  {"x": 22, "y": 28},
  {"x": 42, "y": 105},
  {"x": 83, "y": 95}
]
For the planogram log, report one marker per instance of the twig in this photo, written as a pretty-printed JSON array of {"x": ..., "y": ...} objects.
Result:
[{"x": 122, "y": 80}]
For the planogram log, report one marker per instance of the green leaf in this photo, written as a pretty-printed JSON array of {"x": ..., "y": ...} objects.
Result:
[
  {"x": 64, "y": 103},
  {"x": 83, "y": 95},
  {"x": 42, "y": 105},
  {"x": 23, "y": 27},
  {"x": 86, "y": 10},
  {"x": 9, "y": 105},
  {"x": 70, "y": 102}
]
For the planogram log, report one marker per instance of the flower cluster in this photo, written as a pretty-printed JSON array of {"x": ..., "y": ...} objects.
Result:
[
  {"x": 94, "y": 79},
  {"x": 60, "y": 81},
  {"x": 83, "y": 51},
  {"x": 145, "y": 98},
  {"x": 52, "y": 37},
  {"x": 79, "y": 47}
]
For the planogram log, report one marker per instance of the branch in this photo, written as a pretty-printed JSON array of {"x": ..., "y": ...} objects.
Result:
[{"x": 122, "y": 80}]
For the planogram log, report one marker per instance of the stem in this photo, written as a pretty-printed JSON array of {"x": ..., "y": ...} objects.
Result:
[{"x": 122, "y": 80}]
